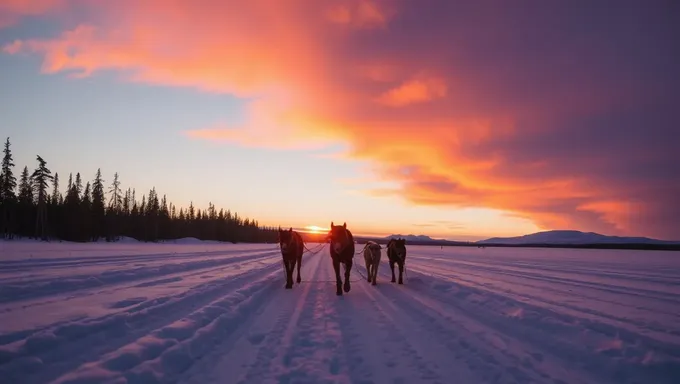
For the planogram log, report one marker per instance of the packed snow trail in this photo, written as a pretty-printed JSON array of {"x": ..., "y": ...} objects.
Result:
[{"x": 220, "y": 314}]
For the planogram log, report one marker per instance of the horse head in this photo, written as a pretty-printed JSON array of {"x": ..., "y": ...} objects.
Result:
[
  {"x": 339, "y": 237},
  {"x": 286, "y": 239},
  {"x": 398, "y": 246}
]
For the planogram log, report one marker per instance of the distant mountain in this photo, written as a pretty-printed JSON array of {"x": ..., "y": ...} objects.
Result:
[
  {"x": 571, "y": 237},
  {"x": 411, "y": 237},
  {"x": 411, "y": 240}
]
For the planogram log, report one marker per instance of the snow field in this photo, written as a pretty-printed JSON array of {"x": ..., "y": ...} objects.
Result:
[{"x": 218, "y": 313}]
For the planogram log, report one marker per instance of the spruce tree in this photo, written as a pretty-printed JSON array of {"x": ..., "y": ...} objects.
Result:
[
  {"x": 71, "y": 212},
  {"x": 55, "y": 207},
  {"x": 98, "y": 206},
  {"x": 116, "y": 200},
  {"x": 25, "y": 187},
  {"x": 8, "y": 183},
  {"x": 25, "y": 207},
  {"x": 79, "y": 186},
  {"x": 86, "y": 231},
  {"x": 56, "y": 196},
  {"x": 115, "y": 209},
  {"x": 41, "y": 177}
]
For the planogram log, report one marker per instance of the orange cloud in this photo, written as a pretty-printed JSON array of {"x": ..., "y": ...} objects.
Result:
[
  {"x": 414, "y": 91},
  {"x": 550, "y": 124},
  {"x": 359, "y": 13}
]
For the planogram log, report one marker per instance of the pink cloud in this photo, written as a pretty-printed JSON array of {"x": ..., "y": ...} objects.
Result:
[{"x": 414, "y": 91}]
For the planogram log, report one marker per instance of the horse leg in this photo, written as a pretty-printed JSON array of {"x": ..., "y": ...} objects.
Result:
[
  {"x": 392, "y": 268},
  {"x": 368, "y": 268},
  {"x": 348, "y": 268},
  {"x": 293, "y": 262},
  {"x": 338, "y": 281},
  {"x": 289, "y": 283},
  {"x": 401, "y": 272},
  {"x": 299, "y": 265},
  {"x": 285, "y": 271},
  {"x": 374, "y": 271}
]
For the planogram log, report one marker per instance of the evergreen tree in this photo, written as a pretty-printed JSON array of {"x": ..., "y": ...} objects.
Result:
[
  {"x": 86, "y": 230},
  {"x": 56, "y": 196},
  {"x": 25, "y": 187},
  {"x": 25, "y": 206},
  {"x": 8, "y": 183},
  {"x": 41, "y": 177},
  {"x": 78, "y": 185},
  {"x": 71, "y": 212},
  {"x": 55, "y": 207},
  {"x": 116, "y": 201},
  {"x": 115, "y": 210},
  {"x": 98, "y": 206}
]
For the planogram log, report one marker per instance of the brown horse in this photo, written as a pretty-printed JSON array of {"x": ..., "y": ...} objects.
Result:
[
  {"x": 372, "y": 260},
  {"x": 396, "y": 253},
  {"x": 292, "y": 247},
  {"x": 342, "y": 251}
]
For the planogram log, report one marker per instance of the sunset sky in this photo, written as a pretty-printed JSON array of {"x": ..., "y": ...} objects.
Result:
[{"x": 455, "y": 119}]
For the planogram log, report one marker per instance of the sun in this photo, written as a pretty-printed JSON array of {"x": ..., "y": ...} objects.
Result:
[{"x": 315, "y": 229}]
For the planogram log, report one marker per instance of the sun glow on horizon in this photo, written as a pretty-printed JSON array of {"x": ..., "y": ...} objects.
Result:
[{"x": 315, "y": 229}]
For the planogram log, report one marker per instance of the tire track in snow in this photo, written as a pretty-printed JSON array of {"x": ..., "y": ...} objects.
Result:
[
  {"x": 319, "y": 352},
  {"x": 484, "y": 356},
  {"x": 58, "y": 350},
  {"x": 209, "y": 274},
  {"x": 33, "y": 263},
  {"x": 248, "y": 356},
  {"x": 388, "y": 342},
  {"x": 165, "y": 353},
  {"x": 564, "y": 307},
  {"x": 491, "y": 357},
  {"x": 58, "y": 285},
  {"x": 275, "y": 352},
  {"x": 549, "y": 339}
]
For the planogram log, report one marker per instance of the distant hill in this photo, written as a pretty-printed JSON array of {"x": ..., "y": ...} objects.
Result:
[
  {"x": 568, "y": 237},
  {"x": 547, "y": 239},
  {"x": 412, "y": 237}
]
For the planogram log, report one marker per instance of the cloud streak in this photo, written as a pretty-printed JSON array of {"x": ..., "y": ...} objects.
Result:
[{"x": 562, "y": 113}]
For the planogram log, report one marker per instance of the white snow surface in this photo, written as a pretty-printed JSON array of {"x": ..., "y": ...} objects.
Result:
[{"x": 192, "y": 312}]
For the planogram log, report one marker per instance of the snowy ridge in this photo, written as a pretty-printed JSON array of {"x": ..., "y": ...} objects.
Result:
[
  {"x": 571, "y": 237},
  {"x": 411, "y": 237},
  {"x": 465, "y": 314}
]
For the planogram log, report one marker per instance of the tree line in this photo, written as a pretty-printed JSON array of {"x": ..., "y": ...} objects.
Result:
[{"x": 33, "y": 206}]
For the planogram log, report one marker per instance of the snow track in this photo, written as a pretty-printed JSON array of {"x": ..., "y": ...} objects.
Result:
[{"x": 182, "y": 314}]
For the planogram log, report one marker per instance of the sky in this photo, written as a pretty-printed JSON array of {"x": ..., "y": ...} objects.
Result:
[{"x": 456, "y": 119}]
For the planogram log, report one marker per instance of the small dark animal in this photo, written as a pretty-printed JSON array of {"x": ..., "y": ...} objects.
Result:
[
  {"x": 372, "y": 260},
  {"x": 342, "y": 251},
  {"x": 292, "y": 246},
  {"x": 396, "y": 253}
]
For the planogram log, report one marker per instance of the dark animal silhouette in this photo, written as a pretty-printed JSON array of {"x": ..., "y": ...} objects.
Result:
[
  {"x": 292, "y": 246},
  {"x": 342, "y": 252},
  {"x": 396, "y": 253},
  {"x": 372, "y": 252}
]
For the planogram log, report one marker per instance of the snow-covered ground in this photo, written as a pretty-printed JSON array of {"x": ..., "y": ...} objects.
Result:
[{"x": 192, "y": 312}]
